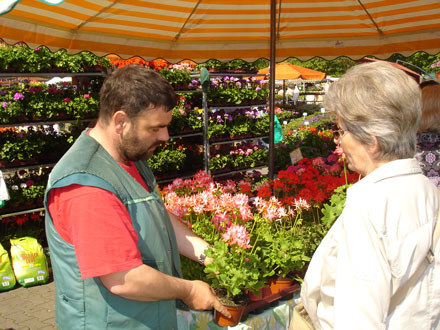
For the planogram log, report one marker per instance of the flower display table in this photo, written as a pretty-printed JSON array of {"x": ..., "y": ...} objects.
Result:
[{"x": 277, "y": 315}]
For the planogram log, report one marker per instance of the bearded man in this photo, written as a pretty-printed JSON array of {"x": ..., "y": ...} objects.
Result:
[{"x": 114, "y": 246}]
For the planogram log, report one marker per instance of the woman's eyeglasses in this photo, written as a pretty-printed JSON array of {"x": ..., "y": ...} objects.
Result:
[{"x": 338, "y": 132}]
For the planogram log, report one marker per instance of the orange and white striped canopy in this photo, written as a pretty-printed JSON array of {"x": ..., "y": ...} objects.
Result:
[{"x": 225, "y": 29}]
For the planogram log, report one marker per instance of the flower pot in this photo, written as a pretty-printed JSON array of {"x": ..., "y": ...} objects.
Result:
[
  {"x": 236, "y": 314},
  {"x": 437, "y": 75},
  {"x": 278, "y": 284},
  {"x": 253, "y": 297},
  {"x": 266, "y": 291}
]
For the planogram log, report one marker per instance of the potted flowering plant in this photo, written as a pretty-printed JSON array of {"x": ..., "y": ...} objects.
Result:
[
  {"x": 278, "y": 229},
  {"x": 168, "y": 159},
  {"x": 220, "y": 161},
  {"x": 435, "y": 67},
  {"x": 222, "y": 219},
  {"x": 235, "y": 270}
]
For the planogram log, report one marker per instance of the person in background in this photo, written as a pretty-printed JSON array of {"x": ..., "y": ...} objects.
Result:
[
  {"x": 4, "y": 195},
  {"x": 428, "y": 137},
  {"x": 114, "y": 247},
  {"x": 380, "y": 245}
]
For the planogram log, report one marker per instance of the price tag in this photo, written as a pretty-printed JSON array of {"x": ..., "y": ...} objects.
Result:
[{"x": 296, "y": 156}]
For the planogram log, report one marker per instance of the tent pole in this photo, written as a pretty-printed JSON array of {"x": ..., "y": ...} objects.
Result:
[
  {"x": 272, "y": 87},
  {"x": 284, "y": 91}
]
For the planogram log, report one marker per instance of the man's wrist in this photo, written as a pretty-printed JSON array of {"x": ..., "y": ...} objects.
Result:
[{"x": 202, "y": 257}]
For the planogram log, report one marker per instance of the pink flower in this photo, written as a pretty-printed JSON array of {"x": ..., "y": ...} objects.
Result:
[
  {"x": 301, "y": 204},
  {"x": 319, "y": 161},
  {"x": 221, "y": 221},
  {"x": 339, "y": 152},
  {"x": 86, "y": 96},
  {"x": 67, "y": 100},
  {"x": 332, "y": 158},
  {"x": 237, "y": 234}
]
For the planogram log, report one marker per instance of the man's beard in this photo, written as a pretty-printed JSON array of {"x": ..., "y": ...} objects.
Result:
[{"x": 132, "y": 149}]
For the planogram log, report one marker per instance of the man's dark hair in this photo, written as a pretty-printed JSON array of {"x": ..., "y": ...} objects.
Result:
[{"x": 134, "y": 89}]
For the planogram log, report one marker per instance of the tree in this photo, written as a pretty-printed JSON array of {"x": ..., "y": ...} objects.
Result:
[{"x": 335, "y": 68}]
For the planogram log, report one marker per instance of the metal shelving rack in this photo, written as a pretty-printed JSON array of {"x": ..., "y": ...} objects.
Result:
[
  {"x": 25, "y": 75},
  {"x": 206, "y": 141}
]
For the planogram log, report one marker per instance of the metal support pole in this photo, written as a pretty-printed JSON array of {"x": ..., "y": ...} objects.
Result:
[
  {"x": 272, "y": 87},
  {"x": 205, "y": 82},
  {"x": 205, "y": 133}
]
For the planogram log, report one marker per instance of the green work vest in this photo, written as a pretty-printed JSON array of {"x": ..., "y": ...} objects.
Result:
[{"x": 87, "y": 304}]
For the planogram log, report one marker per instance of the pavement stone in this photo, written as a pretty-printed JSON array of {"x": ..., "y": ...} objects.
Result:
[{"x": 31, "y": 308}]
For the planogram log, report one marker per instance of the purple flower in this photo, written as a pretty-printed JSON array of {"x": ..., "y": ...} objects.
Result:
[
  {"x": 2, "y": 92},
  {"x": 18, "y": 96},
  {"x": 4, "y": 104}
]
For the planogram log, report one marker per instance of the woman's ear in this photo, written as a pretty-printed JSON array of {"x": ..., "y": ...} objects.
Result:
[
  {"x": 374, "y": 148},
  {"x": 120, "y": 120}
]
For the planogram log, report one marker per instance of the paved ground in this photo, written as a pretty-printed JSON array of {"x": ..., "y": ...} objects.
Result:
[{"x": 31, "y": 308}]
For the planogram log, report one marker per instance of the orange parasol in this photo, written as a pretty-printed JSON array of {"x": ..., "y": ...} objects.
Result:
[{"x": 286, "y": 71}]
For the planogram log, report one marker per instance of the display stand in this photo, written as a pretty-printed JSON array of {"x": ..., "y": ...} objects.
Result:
[{"x": 273, "y": 315}]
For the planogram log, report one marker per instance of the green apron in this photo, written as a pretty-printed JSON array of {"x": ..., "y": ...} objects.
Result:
[{"x": 87, "y": 304}]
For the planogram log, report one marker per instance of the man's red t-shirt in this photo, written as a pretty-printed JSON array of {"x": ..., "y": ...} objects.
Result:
[{"x": 98, "y": 225}]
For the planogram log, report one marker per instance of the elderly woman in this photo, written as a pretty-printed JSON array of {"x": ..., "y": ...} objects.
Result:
[{"x": 385, "y": 232}]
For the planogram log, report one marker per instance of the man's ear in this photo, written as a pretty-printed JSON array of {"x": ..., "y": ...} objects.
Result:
[{"x": 120, "y": 120}]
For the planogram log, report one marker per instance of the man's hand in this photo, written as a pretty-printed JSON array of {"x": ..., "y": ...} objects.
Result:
[{"x": 202, "y": 297}]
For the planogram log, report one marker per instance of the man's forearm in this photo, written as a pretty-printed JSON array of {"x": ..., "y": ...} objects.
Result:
[
  {"x": 144, "y": 283},
  {"x": 190, "y": 245}
]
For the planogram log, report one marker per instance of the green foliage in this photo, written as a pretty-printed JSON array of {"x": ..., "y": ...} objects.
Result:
[
  {"x": 192, "y": 270},
  {"x": 280, "y": 246},
  {"x": 313, "y": 141},
  {"x": 220, "y": 161},
  {"x": 333, "y": 209},
  {"x": 420, "y": 59},
  {"x": 234, "y": 269},
  {"x": 308, "y": 108},
  {"x": 261, "y": 125},
  {"x": 177, "y": 78},
  {"x": 21, "y": 58},
  {"x": 168, "y": 159},
  {"x": 231, "y": 66},
  {"x": 27, "y": 144},
  {"x": 335, "y": 68},
  {"x": 41, "y": 102}
]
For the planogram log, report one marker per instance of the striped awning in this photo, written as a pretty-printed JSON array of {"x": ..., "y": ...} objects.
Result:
[{"x": 225, "y": 29}]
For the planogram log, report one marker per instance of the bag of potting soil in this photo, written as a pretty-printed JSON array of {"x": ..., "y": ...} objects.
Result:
[
  {"x": 7, "y": 278},
  {"x": 29, "y": 261}
]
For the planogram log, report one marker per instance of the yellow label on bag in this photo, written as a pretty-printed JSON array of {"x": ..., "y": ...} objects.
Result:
[
  {"x": 7, "y": 277},
  {"x": 29, "y": 261}
]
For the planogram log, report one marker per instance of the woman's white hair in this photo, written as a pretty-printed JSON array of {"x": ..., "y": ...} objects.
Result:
[{"x": 378, "y": 99}]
